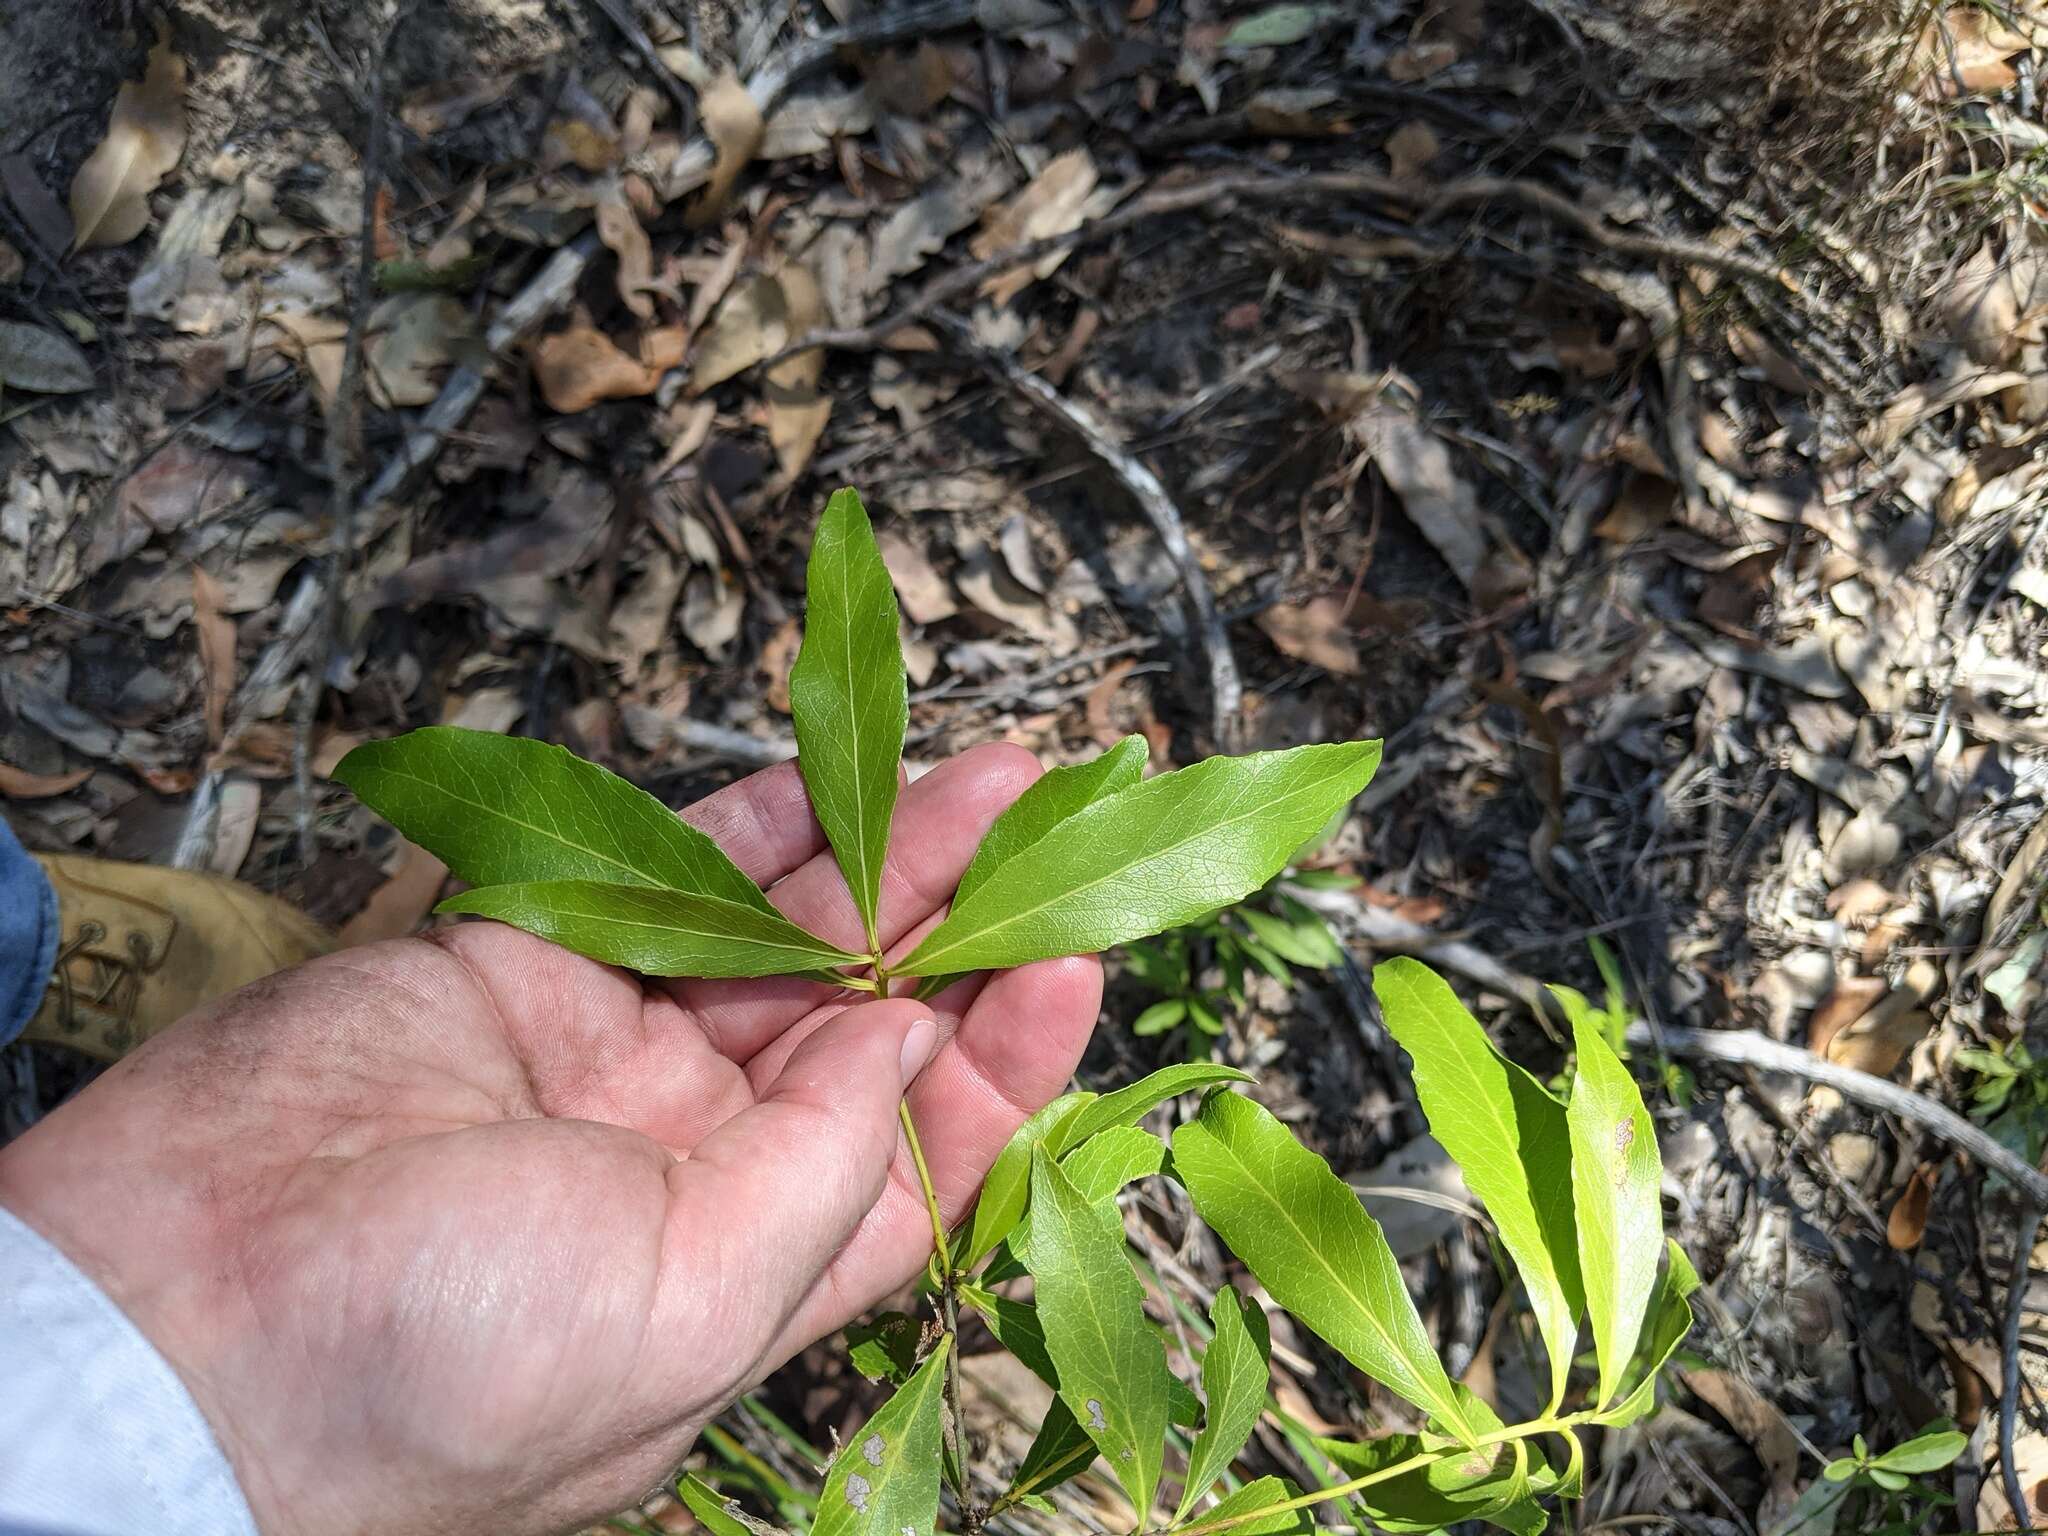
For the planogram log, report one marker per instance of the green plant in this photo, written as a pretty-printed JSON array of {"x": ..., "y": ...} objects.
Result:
[
  {"x": 1270, "y": 931},
  {"x": 1089, "y": 857},
  {"x": 2010, "y": 1094},
  {"x": 1880, "y": 1494}
]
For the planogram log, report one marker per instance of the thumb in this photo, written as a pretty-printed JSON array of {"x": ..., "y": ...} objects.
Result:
[{"x": 760, "y": 1206}]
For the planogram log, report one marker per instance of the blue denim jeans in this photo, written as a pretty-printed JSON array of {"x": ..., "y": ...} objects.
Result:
[{"x": 28, "y": 935}]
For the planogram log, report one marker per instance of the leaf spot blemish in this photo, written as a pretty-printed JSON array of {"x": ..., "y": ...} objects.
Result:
[
  {"x": 1624, "y": 1136},
  {"x": 1095, "y": 1418},
  {"x": 871, "y": 1450},
  {"x": 857, "y": 1490}
]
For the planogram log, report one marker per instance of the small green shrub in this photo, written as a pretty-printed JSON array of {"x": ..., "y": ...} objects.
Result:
[{"x": 1092, "y": 856}]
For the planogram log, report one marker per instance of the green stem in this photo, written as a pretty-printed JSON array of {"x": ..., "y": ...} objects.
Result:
[
  {"x": 1534, "y": 1427},
  {"x": 924, "y": 1180}
]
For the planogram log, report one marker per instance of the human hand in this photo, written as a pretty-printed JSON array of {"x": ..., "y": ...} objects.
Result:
[{"x": 470, "y": 1233}]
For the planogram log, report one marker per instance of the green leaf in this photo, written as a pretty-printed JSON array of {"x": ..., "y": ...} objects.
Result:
[
  {"x": 1262, "y": 1494},
  {"x": 885, "y": 1482},
  {"x": 1204, "y": 1018},
  {"x": 1058, "y": 794},
  {"x": 1670, "y": 1322},
  {"x": 1160, "y": 1017},
  {"x": 1923, "y": 1453},
  {"x": 1127, "y": 1106},
  {"x": 1099, "y": 1167},
  {"x": 1017, "y": 1328},
  {"x": 714, "y": 1511},
  {"x": 1490, "y": 1485},
  {"x": 850, "y": 699},
  {"x": 1111, "y": 1363},
  {"x": 1061, "y": 1450},
  {"x": 1615, "y": 1178},
  {"x": 1310, "y": 1242},
  {"x": 1007, "y": 1189},
  {"x": 1275, "y": 26},
  {"x": 1234, "y": 1376},
  {"x": 660, "y": 933},
  {"x": 1147, "y": 858},
  {"x": 1891, "y": 1482},
  {"x": 502, "y": 810},
  {"x": 1285, "y": 939},
  {"x": 885, "y": 1348},
  {"x": 1506, "y": 1133}
]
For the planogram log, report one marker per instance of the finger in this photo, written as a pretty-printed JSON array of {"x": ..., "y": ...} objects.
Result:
[
  {"x": 1012, "y": 1053},
  {"x": 940, "y": 820},
  {"x": 763, "y": 822},
  {"x": 757, "y": 1211}
]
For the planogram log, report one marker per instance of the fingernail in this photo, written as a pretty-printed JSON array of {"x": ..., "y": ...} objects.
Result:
[{"x": 917, "y": 1048}]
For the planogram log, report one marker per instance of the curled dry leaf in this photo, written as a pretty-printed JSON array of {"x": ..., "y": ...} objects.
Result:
[
  {"x": 1410, "y": 148},
  {"x": 1313, "y": 632},
  {"x": 1852, "y": 997},
  {"x": 619, "y": 228},
  {"x": 145, "y": 137},
  {"x": 411, "y": 336},
  {"x": 923, "y": 592},
  {"x": 751, "y": 324},
  {"x": 796, "y": 410},
  {"x": 581, "y": 366},
  {"x": 732, "y": 120},
  {"x": 1908, "y": 1221},
  {"x": 216, "y": 650},
  {"x": 1055, "y": 202}
]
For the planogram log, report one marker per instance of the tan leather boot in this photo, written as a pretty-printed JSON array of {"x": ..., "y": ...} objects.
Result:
[{"x": 140, "y": 946}]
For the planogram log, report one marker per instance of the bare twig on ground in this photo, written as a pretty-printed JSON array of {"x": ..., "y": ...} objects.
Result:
[
  {"x": 1379, "y": 929},
  {"x": 555, "y": 283},
  {"x": 702, "y": 736},
  {"x": 1748, "y": 1049},
  {"x": 2009, "y": 1363},
  {"x": 1226, "y": 691}
]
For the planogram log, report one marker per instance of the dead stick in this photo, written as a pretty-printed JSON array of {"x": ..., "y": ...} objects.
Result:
[
  {"x": 1748, "y": 1049},
  {"x": 1226, "y": 691}
]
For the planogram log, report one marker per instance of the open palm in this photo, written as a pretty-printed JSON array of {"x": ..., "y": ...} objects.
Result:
[{"x": 472, "y": 1233}]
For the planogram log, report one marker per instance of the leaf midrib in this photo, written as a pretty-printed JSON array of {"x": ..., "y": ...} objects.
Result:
[
  {"x": 839, "y": 956},
  {"x": 1068, "y": 892},
  {"x": 553, "y": 836},
  {"x": 1447, "y": 1409}
]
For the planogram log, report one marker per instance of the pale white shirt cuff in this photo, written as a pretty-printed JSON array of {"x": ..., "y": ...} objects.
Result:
[{"x": 98, "y": 1436}]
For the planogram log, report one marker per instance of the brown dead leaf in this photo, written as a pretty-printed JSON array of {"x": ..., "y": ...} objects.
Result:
[
  {"x": 1855, "y": 900},
  {"x": 1314, "y": 632},
  {"x": 1100, "y": 698},
  {"x": 797, "y": 412},
  {"x": 923, "y": 592},
  {"x": 619, "y": 228},
  {"x": 321, "y": 342},
  {"x": 751, "y": 324},
  {"x": 20, "y": 784},
  {"x": 1908, "y": 1221},
  {"x": 216, "y": 650},
  {"x": 777, "y": 657},
  {"x": 398, "y": 906},
  {"x": 145, "y": 137},
  {"x": 1879, "y": 1041},
  {"x": 1410, "y": 148},
  {"x": 1438, "y": 500},
  {"x": 1967, "y": 50},
  {"x": 409, "y": 338},
  {"x": 732, "y": 121},
  {"x": 1054, "y": 202},
  {"x": 1759, "y": 1422},
  {"x": 1642, "y": 506},
  {"x": 581, "y": 366},
  {"x": 582, "y": 144},
  {"x": 1849, "y": 1001}
]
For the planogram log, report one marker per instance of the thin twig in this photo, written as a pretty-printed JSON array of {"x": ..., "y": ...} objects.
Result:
[
  {"x": 1226, "y": 692},
  {"x": 1749, "y": 1049},
  {"x": 2009, "y": 1364}
]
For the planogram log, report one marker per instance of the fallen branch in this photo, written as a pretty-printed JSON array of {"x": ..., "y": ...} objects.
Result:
[
  {"x": 2009, "y": 1364},
  {"x": 1748, "y": 1049},
  {"x": 1226, "y": 691}
]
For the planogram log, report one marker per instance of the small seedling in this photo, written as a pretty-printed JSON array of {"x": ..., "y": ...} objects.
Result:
[
  {"x": 1270, "y": 931},
  {"x": 1880, "y": 1494},
  {"x": 1089, "y": 857},
  {"x": 2010, "y": 1095}
]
